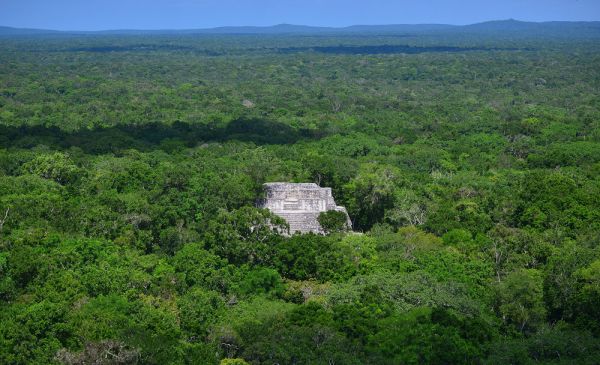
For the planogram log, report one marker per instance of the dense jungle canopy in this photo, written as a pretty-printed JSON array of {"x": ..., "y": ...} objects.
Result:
[{"x": 469, "y": 163}]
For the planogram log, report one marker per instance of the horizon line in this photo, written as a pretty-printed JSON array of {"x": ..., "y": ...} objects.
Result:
[{"x": 290, "y": 24}]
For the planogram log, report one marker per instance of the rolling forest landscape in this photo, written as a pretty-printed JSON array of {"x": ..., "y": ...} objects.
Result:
[{"x": 467, "y": 157}]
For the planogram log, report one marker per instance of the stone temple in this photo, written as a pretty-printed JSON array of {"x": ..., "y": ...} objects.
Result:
[{"x": 300, "y": 204}]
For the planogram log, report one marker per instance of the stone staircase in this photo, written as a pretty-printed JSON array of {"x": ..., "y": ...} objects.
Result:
[
  {"x": 302, "y": 222},
  {"x": 300, "y": 204}
]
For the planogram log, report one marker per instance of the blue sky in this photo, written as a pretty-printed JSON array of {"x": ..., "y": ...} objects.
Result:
[{"x": 185, "y": 14}]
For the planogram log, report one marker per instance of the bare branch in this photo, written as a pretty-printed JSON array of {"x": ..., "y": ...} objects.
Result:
[{"x": 4, "y": 219}]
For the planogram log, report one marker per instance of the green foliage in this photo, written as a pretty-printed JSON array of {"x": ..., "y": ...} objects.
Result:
[
  {"x": 564, "y": 281},
  {"x": 7, "y": 284},
  {"x": 297, "y": 258},
  {"x": 333, "y": 221},
  {"x": 370, "y": 194},
  {"x": 31, "y": 334},
  {"x": 311, "y": 256},
  {"x": 142, "y": 325},
  {"x": 233, "y": 362},
  {"x": 557, "y": 345},
  {"x": 57, "y": 167},
  {"x": 408, "y": 291},
  {"x": 201, "y": 268},
  {"x": 588, "y": 296},
  {"x": 262, "y": 282},
  {"x": 245, "y": 235},
  {"x": 198, "y": 310},
  {"x": 520, "y": 299},
  {"x": 433, "y": 336},
  {"x": 130, "y": 168}
]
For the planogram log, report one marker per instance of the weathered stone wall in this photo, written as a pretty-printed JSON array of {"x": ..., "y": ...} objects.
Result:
[{"x": 300, "y": 204}]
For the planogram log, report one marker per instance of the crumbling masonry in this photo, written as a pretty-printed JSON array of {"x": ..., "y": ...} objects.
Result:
[{"x": 300, "y": 204}]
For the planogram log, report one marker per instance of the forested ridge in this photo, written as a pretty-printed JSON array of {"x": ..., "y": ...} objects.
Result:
[{"x": 130, "y": 168}]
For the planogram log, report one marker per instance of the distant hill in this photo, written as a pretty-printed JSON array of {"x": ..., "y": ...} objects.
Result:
[
  {"x": 512, "y": 26},
  {"x": 497, "y": 26},
  {"x": 274, "y": 29},
  {"x": 397, "y": 28},
  {"x": 25, "y": 31}
]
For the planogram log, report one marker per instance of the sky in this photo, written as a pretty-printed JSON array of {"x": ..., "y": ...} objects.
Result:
[{"x": 189, "y": 14}]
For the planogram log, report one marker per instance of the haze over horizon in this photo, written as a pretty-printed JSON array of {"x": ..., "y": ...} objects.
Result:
[{"x": 189, "y": 14}]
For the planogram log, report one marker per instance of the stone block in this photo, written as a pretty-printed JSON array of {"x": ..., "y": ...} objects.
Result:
[{"x": 300, "y": 204}]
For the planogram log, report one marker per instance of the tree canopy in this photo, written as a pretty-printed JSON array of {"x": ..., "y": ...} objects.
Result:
[{"x": 130, "y": 168}]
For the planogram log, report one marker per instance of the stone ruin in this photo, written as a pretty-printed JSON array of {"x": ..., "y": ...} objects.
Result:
[{"x": 300, "y": 205}]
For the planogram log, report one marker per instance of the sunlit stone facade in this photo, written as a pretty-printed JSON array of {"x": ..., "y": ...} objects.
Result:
[{"x": 300, "y": 204}]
